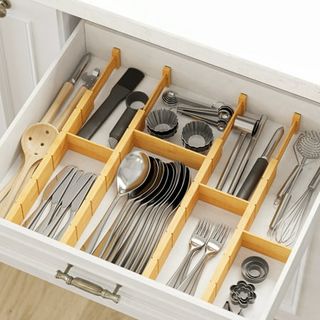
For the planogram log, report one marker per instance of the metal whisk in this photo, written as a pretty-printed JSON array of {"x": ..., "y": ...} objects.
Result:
[
  {"x": 308, "y": 146},
  {"x": 287, "y": 228}
]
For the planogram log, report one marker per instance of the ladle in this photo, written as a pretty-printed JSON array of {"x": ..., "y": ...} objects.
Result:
[
  {"x": 35, "y": 143},
  {"x": 132, "y": 173}
]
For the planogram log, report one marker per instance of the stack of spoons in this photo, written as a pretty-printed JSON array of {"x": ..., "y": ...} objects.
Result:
[{"x": 153, "y": 190}]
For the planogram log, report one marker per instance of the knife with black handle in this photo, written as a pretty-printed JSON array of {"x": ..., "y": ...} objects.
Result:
[{"x": 124, "y": 86}]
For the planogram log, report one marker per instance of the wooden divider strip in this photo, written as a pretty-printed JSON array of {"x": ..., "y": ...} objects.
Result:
[
  {"x": 112, "y": 64},
  {"x": 231, "y": 250},
  {"x": 246, "y": 239},
  {"x": 216, "y": 150},
  {"x": 204, "y": 173},
  {"x": 167, "y": 149},
  {"x": 222, "y": 200},
  {"x": 295, "y": 125},
  {"x": 239, "y": 110},
  {"x": 86, "y": 103},
  {"x": 75, "y": 122},
  {"x": 266, "y": 247},
  {"x": 111, "y": 157},
  {"x": 24, "y": 202},
  {"x": 165, "y": 82},
  {"x": 88, "y": 148}
]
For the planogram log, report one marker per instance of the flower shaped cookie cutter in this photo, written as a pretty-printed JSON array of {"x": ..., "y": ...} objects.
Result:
[{"x": 242, "y": 294}]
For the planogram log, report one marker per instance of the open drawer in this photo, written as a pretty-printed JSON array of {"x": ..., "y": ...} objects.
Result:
[{"x": 146, "y": 296}]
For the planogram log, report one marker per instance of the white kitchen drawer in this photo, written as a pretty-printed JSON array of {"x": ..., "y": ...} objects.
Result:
[{"x": 141, "y": 297}]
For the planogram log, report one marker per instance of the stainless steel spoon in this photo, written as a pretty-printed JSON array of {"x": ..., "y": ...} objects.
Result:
[{"x": 132, "y": 173}]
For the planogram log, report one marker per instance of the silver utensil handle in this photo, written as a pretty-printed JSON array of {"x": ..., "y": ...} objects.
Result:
[
  {"x": 283, "y": 204},
  {"x": 231, "y": 161},
  {"x": 181, "y": 272},
  {"x": 97, "y": 232},
  {"x": 88, "y": 286},
  {"x": 315, "y": 180},
  {"x": 242, "y": 165},
  {"x": 115, "y": 230},
  {"x": 193, "y": 103},
  {"x": 286, "y": 185},
  {"x": 284, "y": 201},
  {"x": 189, "y": 285}
]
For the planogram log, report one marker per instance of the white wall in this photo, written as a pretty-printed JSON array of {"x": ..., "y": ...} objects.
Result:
[{"x": 3, "y": 124}]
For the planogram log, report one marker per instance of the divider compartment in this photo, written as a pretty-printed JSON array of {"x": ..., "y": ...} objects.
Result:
[
  {"x": 101, "y": 196},
  {"x": 68, "y": 149},
  {"x": 245, "y": 246},
  {"x": 207, "y": 204}
]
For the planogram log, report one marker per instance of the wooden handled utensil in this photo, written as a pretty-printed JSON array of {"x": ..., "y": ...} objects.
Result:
[
  {"x": 89, "y": 81},
  {"x": 35, "y": 143},
  {"x": 66, "y": 90},
  {"x": 61, "y": 97}
]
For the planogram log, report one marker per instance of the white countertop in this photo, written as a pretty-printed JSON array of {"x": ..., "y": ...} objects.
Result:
[{"x": 253, "y": 38}]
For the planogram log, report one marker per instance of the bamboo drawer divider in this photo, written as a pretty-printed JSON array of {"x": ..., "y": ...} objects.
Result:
[
  {"x": 107, "y": 175},
  {"x": 64, "y": 142},
  {"x": 246, "y": 209},
  {"x": 135, "y": 137}
]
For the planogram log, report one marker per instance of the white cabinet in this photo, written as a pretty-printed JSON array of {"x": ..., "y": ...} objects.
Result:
[
  {"x": 141, "y": 297},
  {"x": 31, "y": 36}
]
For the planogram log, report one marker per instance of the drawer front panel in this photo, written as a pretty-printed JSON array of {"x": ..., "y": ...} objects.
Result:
[{"x": 140, "y": 297}]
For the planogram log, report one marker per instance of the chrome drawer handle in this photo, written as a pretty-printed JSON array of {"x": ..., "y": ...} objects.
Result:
[{"x": 88, "y": 286}]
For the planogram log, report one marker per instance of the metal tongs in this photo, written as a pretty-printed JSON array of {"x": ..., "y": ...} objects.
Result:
[{"x": 65, "y": 194}]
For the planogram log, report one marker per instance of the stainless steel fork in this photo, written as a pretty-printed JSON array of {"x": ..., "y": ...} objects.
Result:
[
  {"x": 197, "y": 241},
  {"x": 214, "y": 244}
]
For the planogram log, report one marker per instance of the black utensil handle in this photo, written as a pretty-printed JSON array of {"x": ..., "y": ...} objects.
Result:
[
  {"x": 121, "y": 126},
  {"x": 117, "y": 94},
  {"x": 253, "y": 178}
]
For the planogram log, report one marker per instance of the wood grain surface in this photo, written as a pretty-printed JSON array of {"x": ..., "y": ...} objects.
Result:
[{"x": 24, "y": 297}]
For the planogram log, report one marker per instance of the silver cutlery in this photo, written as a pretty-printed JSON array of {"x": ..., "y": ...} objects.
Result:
[
  {"x": 55, "y": 202},
  {"x": 308, "y": 146},
  {"x": 75, "y": 205},
  {"x": 63, "y": 204},
  {"x": 132, "y": 203},
  {"x": 144, "y": 216},
  {"x": 213, "y": 246},
  {"x": 132, "y": 173},
  {"x": 33, "y": 218},
  {"x": 140, "y": 214},
  {"x": 65, "y": 194},
  {"x": 154, "y": 222},
  {"x": 164, "y": 220},
  {"x": 197, "y": 242},
  {"x": 288, "y": 226}
]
